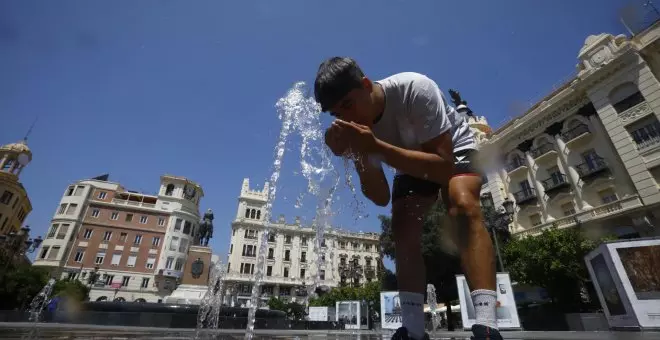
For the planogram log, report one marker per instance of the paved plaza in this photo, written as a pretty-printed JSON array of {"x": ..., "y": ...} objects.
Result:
[{"x": 69, "y": 331}]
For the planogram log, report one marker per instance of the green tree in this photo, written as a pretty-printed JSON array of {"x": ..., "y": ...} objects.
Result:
[
  {"x": 553, "y": 260},
  {"x": 19, "y": 284},
  {"x": 71, "y": 289},
  {"x": 369, "y": 292},
  {"x": 293, "y": 310}
]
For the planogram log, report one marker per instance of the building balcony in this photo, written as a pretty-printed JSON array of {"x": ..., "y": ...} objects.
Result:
[
  {"x": 592, "y": 168},
  {"x": 575, "y": 134},
  {"x": 133, "y": 203},
  {"x": 515, "y": 166},
  {"x": 524, "y": 196},
  {"x": 555, "y": 182},
  {"x": 543, "y": 151},
  {"x": 594, "y": 214}
]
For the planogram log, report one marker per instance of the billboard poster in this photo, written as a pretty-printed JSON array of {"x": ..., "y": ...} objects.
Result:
[
  {"x": 349, "y": 313},
  {"x": 507, "y": 311},
  {"x": 390, "y": 310}
]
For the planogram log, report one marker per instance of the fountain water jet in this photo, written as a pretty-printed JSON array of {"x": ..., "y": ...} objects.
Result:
[{"x": 431, "y": 300}]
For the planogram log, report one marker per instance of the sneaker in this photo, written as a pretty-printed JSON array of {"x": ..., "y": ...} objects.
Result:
[
  {"x": 482, "y": 332},
  {"x": 402, "y": 334}
]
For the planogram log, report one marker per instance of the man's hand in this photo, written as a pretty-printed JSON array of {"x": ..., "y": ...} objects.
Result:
[
  {"x": 335, "y": 142},
  {"x": 359, "y": 138}
]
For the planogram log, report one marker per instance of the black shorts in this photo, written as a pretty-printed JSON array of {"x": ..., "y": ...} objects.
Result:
[{"x": 465, "y": 164}]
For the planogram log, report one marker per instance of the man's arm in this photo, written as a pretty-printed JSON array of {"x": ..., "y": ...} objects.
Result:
[
  {"x": 434, "y": 163},
  {"x": 373, "y": 182}
]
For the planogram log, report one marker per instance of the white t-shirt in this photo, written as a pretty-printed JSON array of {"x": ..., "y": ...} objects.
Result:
[{"x": 416, "y": 111}]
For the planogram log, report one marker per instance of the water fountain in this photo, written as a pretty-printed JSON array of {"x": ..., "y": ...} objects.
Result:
[
  {"x": 209, "y": 308},
  {"x": 39, "y": 302},
  {"x": 431, "y": 300}
]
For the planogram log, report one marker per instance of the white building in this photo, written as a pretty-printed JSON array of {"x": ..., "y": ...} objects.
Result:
[
  {"x": 589, "y": 153},
  {"x": 291, "y": 260}
]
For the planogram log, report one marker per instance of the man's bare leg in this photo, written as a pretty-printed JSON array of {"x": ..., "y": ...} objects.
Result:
[
  {"x": 407, "y": 219},
  {"x": 476, "y": 247}
]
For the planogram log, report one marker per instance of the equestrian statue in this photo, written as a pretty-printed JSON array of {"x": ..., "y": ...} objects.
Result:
[{"x": 205, "y": 229}]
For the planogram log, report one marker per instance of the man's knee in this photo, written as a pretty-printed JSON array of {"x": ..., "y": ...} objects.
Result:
[{"x": 465, "y": 205}]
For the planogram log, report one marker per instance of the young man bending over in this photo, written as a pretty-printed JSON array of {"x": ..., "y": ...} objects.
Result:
[{"x": 404, "y": 121}]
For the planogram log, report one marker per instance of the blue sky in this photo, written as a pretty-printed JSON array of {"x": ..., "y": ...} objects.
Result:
[{"x": 142, "y": 88}]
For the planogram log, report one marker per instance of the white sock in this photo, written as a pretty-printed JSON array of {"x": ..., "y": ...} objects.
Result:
[
  {"x": 412, "y": 313},
  {"x": 485, "y": 306}
]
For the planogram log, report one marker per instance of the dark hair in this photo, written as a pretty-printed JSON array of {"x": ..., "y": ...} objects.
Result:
[{"x": 334, "y": 79}]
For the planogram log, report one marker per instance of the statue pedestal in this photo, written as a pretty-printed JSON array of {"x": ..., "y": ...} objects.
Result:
[{"x": 194, "y": 282}]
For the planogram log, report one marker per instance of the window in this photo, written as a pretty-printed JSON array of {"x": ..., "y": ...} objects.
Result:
[
  {"x": 535, "y": 219},
  {"x": 356, "y": 246},
  {"x": 303, "y": 241},
  {"x": 100, "y": 256},
  {"x": 177, "y": 224},
  {"x": 287, "y": 239},
  {"x": 102, "y": 195},
  {"x": 70, "y": 190},
  {"x": 143, "y": 219},
  {"x": 114, "y": 216},
  {"x": 287, "y": 255},
  {"x": 269, "y": 271},
  {"x": 174, "y": 243},
  {"x": 367, "y": 247},
  {"x": 95, "y": 213},
  {"x": 44, "y": 251},
  {"x": 145, "y": 282},
  {"x": 62, "y": 231},
  {"x": 150, "y": 262},
  {"x": 169, "y": 262},
  {"x": 124, "y": 281},
  {"x": 271, "y": 253},
  {"x": 116, "y": 258},
  {"x": 71, "y": 209},
  {"x": 323, "y": 258},
  {"x": 608, "y": 196},
  {"x": 251, "y": 234},
  {"x": 131, "y": 260},
  {"x": 525, "y": 188},
  {"x": 179, "y": 264},
  {"x": 79, "y": 191},
  {"x": 62, "y": 209},
  {"x": 169, "y": 190},
  {"x": 183, "y": 246},
  {"x": 231, "y": 248},
  {"x": 342, "y": 261},
  {"x": 186, "y": 227},
  {"x": 568, "y": 208},
  {"x": 109, "y": 279},
  {"x": 302, "y": 273},
  {"x": 87, "y": 234},
  {"x": 54, "y": 251},
  {"x": 161, "y": 221},
  {"x": 645, "y": 132},
  {"x": 107, "y": 236},
  {"x": 367, "y": 262},
  {"x": 122, "y": 237},
  {"x": 80, "y": 254},
  {"x": 342, "y": 245},
  {"x": 247, "y": 268},
  {"x": 286, "y": 271},
  {"x": 303, "y": 256},
  {"x": 155, "y": 241},
  {"x": 129, "y": 217},
  {"x": 6, "y": 197},
  {"x": 247, "y": 213},
  {"x": 138, "y": 239},
  {"x": 52, "y": 231}
]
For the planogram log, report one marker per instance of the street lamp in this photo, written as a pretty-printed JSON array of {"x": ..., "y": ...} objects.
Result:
[
  {"x": 498, "y": 220},
  {"x": 14, "y": 245},
  {"x": 93, "y": 276},
  {"x": 351, "y": 270}
]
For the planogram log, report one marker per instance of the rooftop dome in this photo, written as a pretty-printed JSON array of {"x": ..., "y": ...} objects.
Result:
[{"x": 19, "y": 147}]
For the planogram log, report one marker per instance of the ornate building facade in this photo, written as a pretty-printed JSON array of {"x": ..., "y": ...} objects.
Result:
[
  {"x": 588, "y": 154},
  {"x": 133, "y": 245},
  {"x": 291, "y": 261},
  {"x": 14, "y": 201}
]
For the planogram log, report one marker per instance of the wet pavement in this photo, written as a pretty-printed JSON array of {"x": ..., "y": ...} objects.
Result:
[{"x": 70, "y": 331}]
